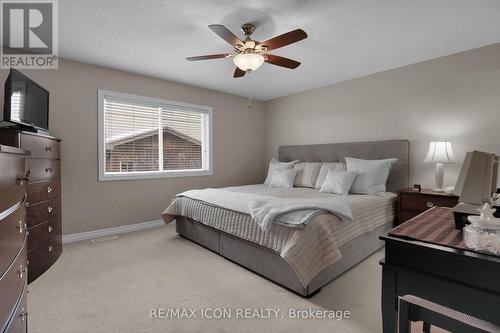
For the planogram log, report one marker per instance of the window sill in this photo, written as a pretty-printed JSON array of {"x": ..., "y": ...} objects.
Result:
[{"x": 153, "y": 175}]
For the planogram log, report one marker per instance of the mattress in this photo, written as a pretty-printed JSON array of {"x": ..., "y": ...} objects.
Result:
[{"x": 309, "y": 249}]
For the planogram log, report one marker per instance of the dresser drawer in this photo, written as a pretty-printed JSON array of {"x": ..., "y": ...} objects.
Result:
[
  {"x": 40, "y": 147},
  {"x": 43, "y": 231},
  {"x": 42, "y": 191},
  {"x": 41, "y": 169},
  {"x": 12, "y": 234},
  {"x": 41, "y": 258},
  {"x": 19, "y": 321},
  {"x": 43, "y": 211},
  {"x": 12, "y": 188},
  {"x": 418, "y": 203},
  {"x": 12, "y": 284}
]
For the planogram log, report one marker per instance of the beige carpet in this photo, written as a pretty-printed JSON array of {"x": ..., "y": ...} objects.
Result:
[{"x": 111, "y": 287}]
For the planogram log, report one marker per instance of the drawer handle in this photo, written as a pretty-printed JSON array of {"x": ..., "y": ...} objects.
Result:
[
  {"x": 23, "y": 315},
  {"x": 21, "y": 226},
  {"x": 22, "y": 270},
  {"x": 50, "y": 209},
  {"x": 48, "y": 170},
  {"x": 48, "y": 148},
  {"x": 49, "y": 228},
  {"x": 49, "y": 189},
  {"x": 23, "y": 180},
  {"x": 51, "y": 248},
  {"x": 430, "y": 204}
]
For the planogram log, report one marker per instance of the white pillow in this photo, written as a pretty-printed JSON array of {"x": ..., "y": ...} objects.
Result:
[
  {"x": 372, "y": 174},
  {"x": 325, "y": 167},
  {"x": 283, "y": 178},
  {"x": 338, "y": 182},
  {"x": 275, "y": 164},
  {"x": 307, "y": 173}
]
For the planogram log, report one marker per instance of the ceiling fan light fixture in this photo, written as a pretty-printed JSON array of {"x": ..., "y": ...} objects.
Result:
[
  {"x": 248, "y": 55},
  {"x": 248, "y": 61}
]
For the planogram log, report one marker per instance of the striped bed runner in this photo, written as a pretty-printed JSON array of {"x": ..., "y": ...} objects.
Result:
[{"x": 436, "y": 226}]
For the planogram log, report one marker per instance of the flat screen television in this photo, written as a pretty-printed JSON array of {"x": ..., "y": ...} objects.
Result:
[{"x": 26, "y": 103}]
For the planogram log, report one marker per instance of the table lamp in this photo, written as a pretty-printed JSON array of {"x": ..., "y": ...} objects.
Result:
[{"x": 440, "y": 152}]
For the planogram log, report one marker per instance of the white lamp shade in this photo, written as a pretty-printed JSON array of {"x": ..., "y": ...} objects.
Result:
[
  {"x": 440, "y": 152},
  {"x": 248, "y": 61}
]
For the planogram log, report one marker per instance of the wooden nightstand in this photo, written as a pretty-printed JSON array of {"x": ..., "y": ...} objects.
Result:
[{"x": 412, "y": 203}]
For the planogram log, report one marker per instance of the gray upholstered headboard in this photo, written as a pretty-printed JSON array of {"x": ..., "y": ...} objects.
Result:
[{"x": 336, "y": 152}]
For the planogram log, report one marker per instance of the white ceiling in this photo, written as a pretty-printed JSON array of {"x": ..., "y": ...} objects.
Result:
[{"x": 347, "y": 38}]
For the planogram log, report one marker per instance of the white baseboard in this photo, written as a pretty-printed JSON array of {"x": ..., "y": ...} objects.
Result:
[{"x": 111, "y": 231}]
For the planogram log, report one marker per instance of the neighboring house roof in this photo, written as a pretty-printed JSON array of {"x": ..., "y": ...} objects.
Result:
[{"x": 137, "y": 135}]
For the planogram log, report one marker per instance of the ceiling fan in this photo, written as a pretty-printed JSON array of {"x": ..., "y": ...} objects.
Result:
[{"x": 250, "y": 54}]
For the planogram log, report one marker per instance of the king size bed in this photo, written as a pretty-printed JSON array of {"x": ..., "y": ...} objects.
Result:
[{"x": 305, "y": 249}]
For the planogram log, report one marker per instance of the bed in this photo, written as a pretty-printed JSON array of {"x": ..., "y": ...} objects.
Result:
[{"x": 302, "y": 258}]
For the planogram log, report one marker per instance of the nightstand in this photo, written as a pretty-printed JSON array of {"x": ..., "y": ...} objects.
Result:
[{"x": 412, "y": 202}]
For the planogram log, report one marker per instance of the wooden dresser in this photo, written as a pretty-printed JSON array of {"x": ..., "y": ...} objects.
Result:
[
  {"x": 13, "y": 241},
  {"x": 43, "y": 203},
  {"x": 413, "y": 203}
]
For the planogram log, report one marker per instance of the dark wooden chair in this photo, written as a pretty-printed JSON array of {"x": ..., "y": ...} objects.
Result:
[{"x": 412, "y": 308}]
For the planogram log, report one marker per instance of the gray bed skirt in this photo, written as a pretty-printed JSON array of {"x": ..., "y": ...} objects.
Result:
[{"x": 269, "y": 263}]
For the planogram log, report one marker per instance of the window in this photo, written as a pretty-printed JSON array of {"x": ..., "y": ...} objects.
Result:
[
  {"x": 127, "y": 166},
  {"x": 145, "y": 137}
]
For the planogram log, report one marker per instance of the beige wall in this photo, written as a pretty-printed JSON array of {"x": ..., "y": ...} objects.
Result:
[
  {"x": 455, "y": 98},
  {"x": 88, "y": 204}
]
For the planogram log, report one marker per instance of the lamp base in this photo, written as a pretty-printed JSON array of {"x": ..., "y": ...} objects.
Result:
[{"x": 439, "y": 178}]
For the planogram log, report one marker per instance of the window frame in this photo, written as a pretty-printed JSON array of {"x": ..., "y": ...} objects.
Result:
[
  {"x": 101, "y": 160},
  {"x": 126, "y": 162}
]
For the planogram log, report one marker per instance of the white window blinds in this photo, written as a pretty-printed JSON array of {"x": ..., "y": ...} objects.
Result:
[
  {"x": 183, "y": 135},
  {"x": 145, "y": 136},
  {"x": 131, "y": 134}
]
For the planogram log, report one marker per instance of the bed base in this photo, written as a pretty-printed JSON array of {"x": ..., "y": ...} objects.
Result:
[{"x": 269, "y": 263}]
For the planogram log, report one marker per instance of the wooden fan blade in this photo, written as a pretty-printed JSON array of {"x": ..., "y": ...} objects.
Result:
[
  {"x": 239, "y": 72},
  {"x": 285, "y": 39},
  {"x": 207, "y": 57},
  {"x": 281, "y": 61},
  {"x": 225, "y": 34}
]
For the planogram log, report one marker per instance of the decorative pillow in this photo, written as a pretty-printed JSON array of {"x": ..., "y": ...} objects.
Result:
[
  {"x": 275, "y": 164},
  {"x": 325, "y": 167},
  {"x": 338, "y": 182},
  {"x": 283, "y": 178},
  {"x": 372, "y": 174},
  {"x": 307, "y": 173}
]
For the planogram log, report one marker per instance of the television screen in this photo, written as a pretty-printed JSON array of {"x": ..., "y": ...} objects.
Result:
[{"x": 26, "y": 102}]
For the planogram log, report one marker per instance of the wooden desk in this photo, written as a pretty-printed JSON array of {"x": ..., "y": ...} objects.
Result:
[{"x": 463, "y": 280}]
